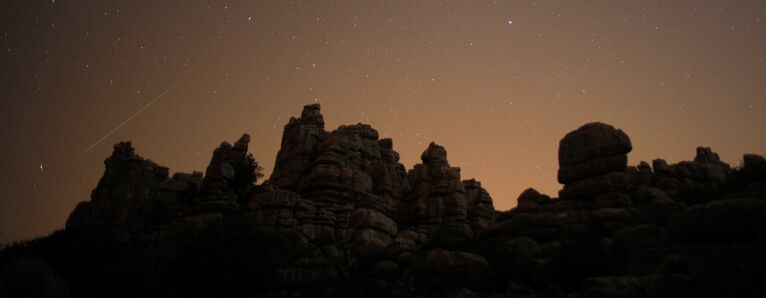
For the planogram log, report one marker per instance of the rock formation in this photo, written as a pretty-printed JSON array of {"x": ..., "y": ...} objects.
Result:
[
  {"x": 341, "y": 217},
  {"x": 481, "y": 211},
  {"x": 300, "y": 140},
  {"x": 437, "y": 205},
  {"x": 592, "y": 161},
  {"x": 121, "y": 201},
  {"x": 333, "y": 187}
]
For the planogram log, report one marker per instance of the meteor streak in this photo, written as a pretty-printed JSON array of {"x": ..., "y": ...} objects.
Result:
[{"x": 126, "y": 121}]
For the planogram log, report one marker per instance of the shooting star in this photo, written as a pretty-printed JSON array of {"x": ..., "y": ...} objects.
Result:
[{"x": 126, "y": 121}]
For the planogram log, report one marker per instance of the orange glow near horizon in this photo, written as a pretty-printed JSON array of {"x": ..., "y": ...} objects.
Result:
[{"x": 498, "y": 84}]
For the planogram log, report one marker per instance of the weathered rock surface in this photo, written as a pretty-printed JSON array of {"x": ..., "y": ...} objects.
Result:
[
  {"x": 481, "y": 212},
  {"x": 693, "y": 181},
  {"x": 123, "y": 198},
  {"x": 341, "y": 186},
  {"x": 340, "y": 216},
  {"x": 300, "y": 140},
  {"x": 591, "y": 150},
  {"x": 230, "y": 174},
  {"x": 437, "y": 207},
  {"x": 620, "y": 231},
  {"x": 593, "y": 161},
  {"x": 723, "y": 220}
]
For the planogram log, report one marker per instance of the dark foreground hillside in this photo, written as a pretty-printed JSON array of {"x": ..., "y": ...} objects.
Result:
[{"x": 341, "y": 217}]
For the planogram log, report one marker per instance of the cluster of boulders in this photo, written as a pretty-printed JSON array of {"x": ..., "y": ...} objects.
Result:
[
  {"x": 681, "y": 230},
  {"x": 370, "y": 227}
]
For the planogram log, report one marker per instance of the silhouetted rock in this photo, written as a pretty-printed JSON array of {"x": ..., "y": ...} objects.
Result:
[
  {"x": 340, "y": 216},
  {"x": 531, "y": 200},
  {"x": 654, "y": 205},
  {"x": 645, "y": 174},
  {"x": 300, "y": 140},
  {"x": 341, "y": 186},
  {"x": 695, "y": 181},
  {"x": 724, "y": 220},
  {"x": 594, "y": 201},
  {"x": 592, "y": 150},
  {"x": 230, "y": 175},
  {"x": 437, "y": 205},
  {"x": 277, "y": 209},
  {"x": 481, "y": 212},
  {"x": 593, "y": 160},
  {"x": 123, "y": 198},
  {"x": 594, "y": 186}
]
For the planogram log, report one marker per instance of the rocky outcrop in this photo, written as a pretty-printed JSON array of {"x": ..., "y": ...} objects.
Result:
[
  {"x": 340, "y": 216},
  {"x": 593, "y": 160},
  {"x": 300, "y": 140},
  {"x": 229, "y": 177},
  {"x": 277, "y": 210},
  {"x": 122, "y": 200},
  {"x": 437, "y": 206},
  {"x": 594, "y": 201},
  {"x": 481, "y": 212},
  {"x": 739, "y": 219},
  {"x": 347, "y": 187},
  {"x": 592, "y": 150},
  {"x": 630, "y": 231},
  {"x": 338, "y": 187},
  {"x": 692, "y": 181}
]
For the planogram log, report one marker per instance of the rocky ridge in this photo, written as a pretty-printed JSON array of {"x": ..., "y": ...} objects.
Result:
[{"x": 340, "y": 216}]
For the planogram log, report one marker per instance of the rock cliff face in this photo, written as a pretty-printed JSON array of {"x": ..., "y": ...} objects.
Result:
[
  {"x": 124, "y": 195},
  {"x": 300, "y": 140},
  {"x": 437, "y": 206},
  {"x": 340, "y": 216}
]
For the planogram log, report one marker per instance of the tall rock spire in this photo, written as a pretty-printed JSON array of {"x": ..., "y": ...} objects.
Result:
[
  {"x": 300, "y": 139},
  {"x": 437, "y": 207}
]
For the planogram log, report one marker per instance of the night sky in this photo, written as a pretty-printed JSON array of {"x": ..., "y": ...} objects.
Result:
[{"x": 497, "y": 83}]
